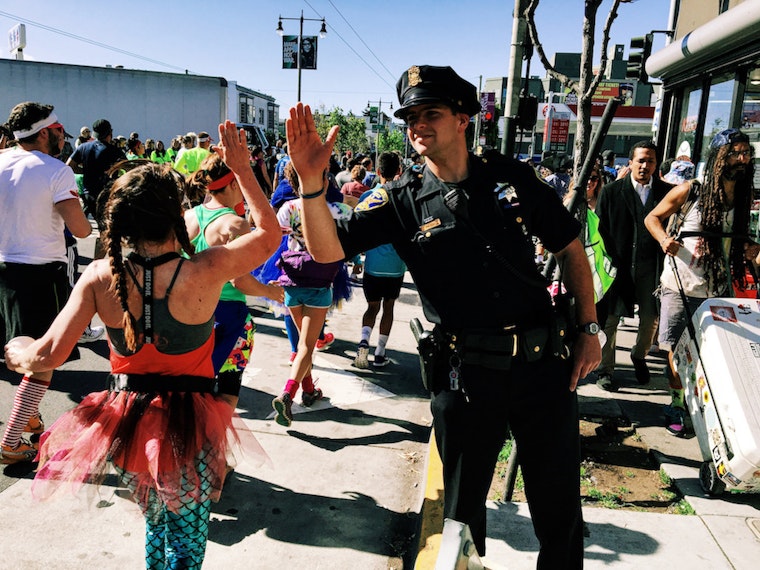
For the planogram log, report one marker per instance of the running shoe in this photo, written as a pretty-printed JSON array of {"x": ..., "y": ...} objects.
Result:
[
  {"x": 362, "y": 353},
  {"x": 640, "y": 370},
  {"x": 606, "y": 383},
  {"x": 677, "y": 421},
  {"x": 307, "y": 399},
  {"x": 282, "y": 406},
  {"x": 23, "y": 452},
  {"x": 380, "y": 361},
  {"x": 292, "y": 357},
  {"x": 325, "y": 343},
  {"x": 35, "y": 424},
  {"x": 91, "y": 334}
]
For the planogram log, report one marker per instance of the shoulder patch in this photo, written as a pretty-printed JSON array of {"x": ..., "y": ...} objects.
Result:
[
  {"x": 377, "y": 199},
  {"x": 507, "y": 195}
]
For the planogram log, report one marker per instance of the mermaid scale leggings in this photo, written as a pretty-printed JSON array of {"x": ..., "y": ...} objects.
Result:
[{"x": 175, "y": 540}]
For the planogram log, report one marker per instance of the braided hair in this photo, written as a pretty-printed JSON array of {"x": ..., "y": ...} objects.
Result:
[
  {"x": 144, "y": 205},
  {"x": 713, "y": 205}
]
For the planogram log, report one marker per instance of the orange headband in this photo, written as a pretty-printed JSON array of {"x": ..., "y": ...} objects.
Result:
[{"x": 220, "y": 183}]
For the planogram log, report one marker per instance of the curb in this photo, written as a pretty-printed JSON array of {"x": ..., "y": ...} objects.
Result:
[{"x": 431, "y": 513}]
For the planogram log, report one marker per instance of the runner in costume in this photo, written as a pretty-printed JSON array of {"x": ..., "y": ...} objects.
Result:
[
  {"x": 217, "y": 222},
  {"x": 159, "y": 423}
]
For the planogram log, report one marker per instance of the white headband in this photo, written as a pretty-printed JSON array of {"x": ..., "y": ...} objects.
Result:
[
  {"x": 203, "y": 139},
  {"x": 36, "y": 127}
]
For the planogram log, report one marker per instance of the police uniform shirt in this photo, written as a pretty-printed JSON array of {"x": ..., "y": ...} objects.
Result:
[{"x": 460, "y": 283}]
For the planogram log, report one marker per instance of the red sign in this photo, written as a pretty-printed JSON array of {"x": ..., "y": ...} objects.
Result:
[{"x": 560, "y": 130}]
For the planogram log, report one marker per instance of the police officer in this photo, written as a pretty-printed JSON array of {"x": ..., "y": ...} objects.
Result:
[{"x": 463, "y": 225}]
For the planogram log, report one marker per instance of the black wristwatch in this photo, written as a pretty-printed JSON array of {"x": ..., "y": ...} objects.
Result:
[{"x": 590, "y": 328}]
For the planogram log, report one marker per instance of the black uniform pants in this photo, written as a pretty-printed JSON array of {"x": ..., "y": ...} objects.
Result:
[{"x": 534, "y": 401}]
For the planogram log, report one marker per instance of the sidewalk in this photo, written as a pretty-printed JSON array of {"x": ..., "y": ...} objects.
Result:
[{"x": 724, "y": 533}]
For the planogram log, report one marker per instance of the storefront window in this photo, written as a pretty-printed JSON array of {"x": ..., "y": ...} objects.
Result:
[
  {"x": 687, "y": 126},
  {"x": 718, "y": 112},
  {"x": 751, "y": 115}
]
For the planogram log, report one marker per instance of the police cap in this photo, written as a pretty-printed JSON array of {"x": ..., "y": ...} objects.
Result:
[{"x": 433, "y": 84}]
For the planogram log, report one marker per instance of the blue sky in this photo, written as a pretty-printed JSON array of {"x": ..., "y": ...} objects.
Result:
[{"x": 368, "y": 46}]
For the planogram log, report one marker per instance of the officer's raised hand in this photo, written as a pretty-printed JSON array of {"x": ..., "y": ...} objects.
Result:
[{"x": 309, "y": 155}]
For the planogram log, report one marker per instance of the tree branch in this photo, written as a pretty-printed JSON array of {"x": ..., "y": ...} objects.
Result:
[
  {"x": 611, "y": 16},
  {"x": 530, "y": 18}
]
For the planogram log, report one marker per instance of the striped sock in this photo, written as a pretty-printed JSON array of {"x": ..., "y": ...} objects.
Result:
[{"x": 26, "y": 403}]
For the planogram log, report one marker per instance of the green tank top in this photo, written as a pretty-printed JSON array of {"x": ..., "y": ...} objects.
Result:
[{"x": 205, "y": 217}]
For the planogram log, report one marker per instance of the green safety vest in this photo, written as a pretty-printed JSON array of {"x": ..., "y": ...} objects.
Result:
[{"x": 602, "y": 270}]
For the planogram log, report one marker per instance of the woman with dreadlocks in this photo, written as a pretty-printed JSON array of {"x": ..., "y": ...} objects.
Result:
[
  {"x": 159, "y": 424},
  {"x": 703, "y": 265}
]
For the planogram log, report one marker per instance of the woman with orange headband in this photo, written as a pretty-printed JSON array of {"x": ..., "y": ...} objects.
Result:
[{"x": 218, "y": 221}]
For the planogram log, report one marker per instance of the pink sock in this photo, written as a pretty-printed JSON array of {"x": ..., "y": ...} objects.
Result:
[
  {"x": 308, "y": 383},
  {"x": 291, "y": 387},
  {"x": 26, "y": 403}
]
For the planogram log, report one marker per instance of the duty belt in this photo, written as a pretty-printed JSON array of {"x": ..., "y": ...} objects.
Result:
[{"x": 496, "y": 348}]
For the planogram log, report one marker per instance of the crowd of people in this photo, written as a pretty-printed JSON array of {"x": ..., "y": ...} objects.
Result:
[{"x": 297, "y": 225}]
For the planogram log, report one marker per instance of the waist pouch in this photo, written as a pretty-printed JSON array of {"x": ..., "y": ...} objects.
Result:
[{"x": 302, "y": 271}]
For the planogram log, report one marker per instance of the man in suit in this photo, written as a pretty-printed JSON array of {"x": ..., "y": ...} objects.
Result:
[{"x": 622, "y": 207}]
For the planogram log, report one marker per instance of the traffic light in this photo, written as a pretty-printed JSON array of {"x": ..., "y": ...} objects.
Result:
[
  {"x": 487, "y": 116},
  {"x": 637, "y": 60},
  {"x": 527, "y": 112}
]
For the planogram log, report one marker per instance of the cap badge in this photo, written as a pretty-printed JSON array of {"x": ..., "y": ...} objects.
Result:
[{"x": 413, "y": 75}]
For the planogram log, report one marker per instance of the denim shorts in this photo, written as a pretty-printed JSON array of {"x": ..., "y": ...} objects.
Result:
[
  {"x": 673, "y": 317},
  {"x": 316, "y": 297}
]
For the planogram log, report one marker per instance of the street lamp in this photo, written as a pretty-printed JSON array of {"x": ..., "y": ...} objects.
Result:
[
  {"x": 322, "y": 34},
  {"x": 379, "y": 122}
]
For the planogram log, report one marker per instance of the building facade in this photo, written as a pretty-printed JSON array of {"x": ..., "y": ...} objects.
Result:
[{"x": 710, "y": 75}]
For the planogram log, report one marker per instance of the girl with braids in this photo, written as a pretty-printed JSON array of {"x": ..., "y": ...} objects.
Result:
[
  {"x": 217, "y": 222},
  {"x": 159, "y": 423},
  {"x": 718, "y": 210}
]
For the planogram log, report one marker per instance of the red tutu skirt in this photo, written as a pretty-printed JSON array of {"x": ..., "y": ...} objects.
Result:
[{"x": 169, "y": 447}]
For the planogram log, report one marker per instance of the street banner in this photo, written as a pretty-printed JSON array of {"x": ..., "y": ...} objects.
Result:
[
  {"x": 290, "y": 52},
  {"x": 308, "y": 52}
]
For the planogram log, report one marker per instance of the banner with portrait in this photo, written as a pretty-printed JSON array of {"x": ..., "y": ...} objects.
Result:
[{"x": 308, "y": 52}]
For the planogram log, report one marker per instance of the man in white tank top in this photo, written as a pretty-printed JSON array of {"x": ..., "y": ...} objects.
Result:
[{"x": 702, "y": 266}]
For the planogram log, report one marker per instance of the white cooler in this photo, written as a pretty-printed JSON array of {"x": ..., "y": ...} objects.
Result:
[{"x": 722, "y": 383}]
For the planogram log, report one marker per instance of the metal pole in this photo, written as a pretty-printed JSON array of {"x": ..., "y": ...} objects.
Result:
[
  {"x": 510, "y": 477},
  {"x": 379, "y": 128},
  {"x": 512, "y": 100},
  {"x": 300, "y": 38},
  {"x": 476, "y": 138}
]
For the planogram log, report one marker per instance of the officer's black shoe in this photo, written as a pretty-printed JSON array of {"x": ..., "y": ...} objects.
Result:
[
  {"x": 606, "y": 383},
  {"x": 641, "y": 370}
]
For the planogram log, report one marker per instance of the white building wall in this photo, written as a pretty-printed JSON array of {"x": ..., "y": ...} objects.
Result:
[{"x": 154, "y": 104}]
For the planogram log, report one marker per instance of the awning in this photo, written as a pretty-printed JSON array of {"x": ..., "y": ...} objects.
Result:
[{"x": 734, "y": 29}]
